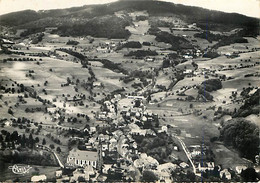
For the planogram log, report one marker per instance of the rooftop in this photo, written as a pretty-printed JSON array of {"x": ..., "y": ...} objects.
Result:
[{"x": 83, "y": 155}]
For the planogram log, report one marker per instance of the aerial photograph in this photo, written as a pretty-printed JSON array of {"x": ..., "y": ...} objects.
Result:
[{"x": 129, "y": 91}]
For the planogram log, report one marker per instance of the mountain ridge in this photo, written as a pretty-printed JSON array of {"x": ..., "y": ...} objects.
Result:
[{"x": 206, "y": 19}]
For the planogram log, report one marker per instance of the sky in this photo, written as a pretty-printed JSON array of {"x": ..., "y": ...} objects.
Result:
[{"x": 246, "y": 7}]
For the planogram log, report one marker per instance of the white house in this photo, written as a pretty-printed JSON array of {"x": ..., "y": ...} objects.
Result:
[
  {"x": 97, "y": 84},
  {"x": 81, "y": 158},
  {"x": 240, "y": 168},
  {"x": 227, "y": 174},
  {"x": 38, "y": 178},
  {"x": 58, "y": 173},
  {"x": 184, "y": 165},
  {"x": 206, "y": 166},
  {"x": 8, "y": 123}
]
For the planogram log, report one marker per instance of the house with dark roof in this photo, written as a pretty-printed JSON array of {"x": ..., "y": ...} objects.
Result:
[{"x": 80, "y": 158}]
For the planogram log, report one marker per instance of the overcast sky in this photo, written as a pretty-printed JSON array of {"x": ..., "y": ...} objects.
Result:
[{"x": 246, "y": 7}]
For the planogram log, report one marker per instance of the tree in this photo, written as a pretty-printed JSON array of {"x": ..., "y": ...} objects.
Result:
[
  {"x": 149, "y": 176},
  {"x": 58, "y": 149},
  {"x": 3, "y": 145},
  {"x": 242, "y": 135},
  {"x": 23, "y": 140},
  {"x": 13, "y": 145},
  {"x": 191, "y": 176},
  {"x": 166, "y": 63},
  {"x": 1, "y": 138},
  {"x": 52, "y": 146},
  {"x": 31, "y": 141},
  {"x": 81, "y": 179},
  {"x": 36, "y": 140},
  {"x": 43, "y": 141},
  {"x": 14, "y": 136},
  {"x": 249, "y": 175},
  {"x": 10, "y": 111},
  {"x": 7, "y": 137}
]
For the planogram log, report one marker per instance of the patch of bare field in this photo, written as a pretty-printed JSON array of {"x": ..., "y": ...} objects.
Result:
[
  {"x": 254, "y": 119},
  {"x": 226, "y": 157}
]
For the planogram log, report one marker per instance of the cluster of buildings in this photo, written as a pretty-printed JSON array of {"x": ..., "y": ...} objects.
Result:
[
  {"x": 107, "y": 47},
  {"x": 114, "y": 151}
]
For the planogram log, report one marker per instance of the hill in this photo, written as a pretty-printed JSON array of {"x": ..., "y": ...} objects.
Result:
[{"x": 88, "y": 17}]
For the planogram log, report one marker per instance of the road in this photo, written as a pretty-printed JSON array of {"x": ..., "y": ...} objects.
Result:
[
  {"x": 52, "y": 151},
  {"x": 187, "y": 154}
]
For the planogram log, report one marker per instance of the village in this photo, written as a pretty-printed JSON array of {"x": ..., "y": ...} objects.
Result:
[{"x": 149, "y": 108}]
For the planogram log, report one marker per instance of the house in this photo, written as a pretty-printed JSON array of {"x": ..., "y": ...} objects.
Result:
[
  {"x": 195, "y": 153},
  {"x": 38, "y": 178},
  {"x": 6, "y": 43},
  {"x": 97, "y": 84},
  {"x": 187, "y": 57},
  {"x": 103, "y": 138},
  {"x": 83, "y": 173},
  {"x": 164, "y": 176},
  {"x": 138, "y": 132},
  {"x": 58, "y": 173},
  {"x": 203, "y": 166},
  {"x": 148, "y": 59},
  {"x": 102, "y": 49},
  {"x": 104, "y": 146},
  {"x": 164, "y": 129},
  {"x": 240, "y": 168},
  {"x": 8, "y": 123},
  {"x": 93, "y": 129},
  {"x": 184, "y": 165},
  {"x": 188, "y": 71},
  {"x": 106, "y": 168},
  {"x": 79, "y": 158},
  {"x": 167, "y": 167},
  {"x": 146, "y": 162},
  {"x": 112, "y": 143},
  {"x": 89, "y": 146},
  {"x": 226, "y": 173},
  {"x": 50, "y": 29}
]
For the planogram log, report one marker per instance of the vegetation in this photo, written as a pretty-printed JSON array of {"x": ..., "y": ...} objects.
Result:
[
  {"x": 149, "y": 176},
  {"x": 131, "y": 44},
  {"x": 111, "y": 27},
  {"x": 153, "y": 30},
  {"x": 72, "y": 42},
  {"x": 211, "y": 54},
  {"x": 205, "y": 94},
  {"x": 211, "y": 85},
  {"x": 235, "y": 38},
  {"x": 249, "y": 175},
  {"x": 250, "y": 106},
  {"x": 142, "y": 53},
  {"x": 209, "y": 36},
  {"x": 159, "y": 147},
  {"x": 242, "y": 135},
  {"x": 112, "y": 66},
  {"x": 37, "y": 38},
  {"x": 141, "y": 18},
  {"x": 178, "y": 43}
]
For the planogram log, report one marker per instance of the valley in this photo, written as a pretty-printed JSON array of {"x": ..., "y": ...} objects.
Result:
[{"x": 144, "y": 98}]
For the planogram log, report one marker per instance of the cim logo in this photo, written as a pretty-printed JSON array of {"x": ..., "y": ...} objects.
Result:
[{"x": 20, "y": 169}]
